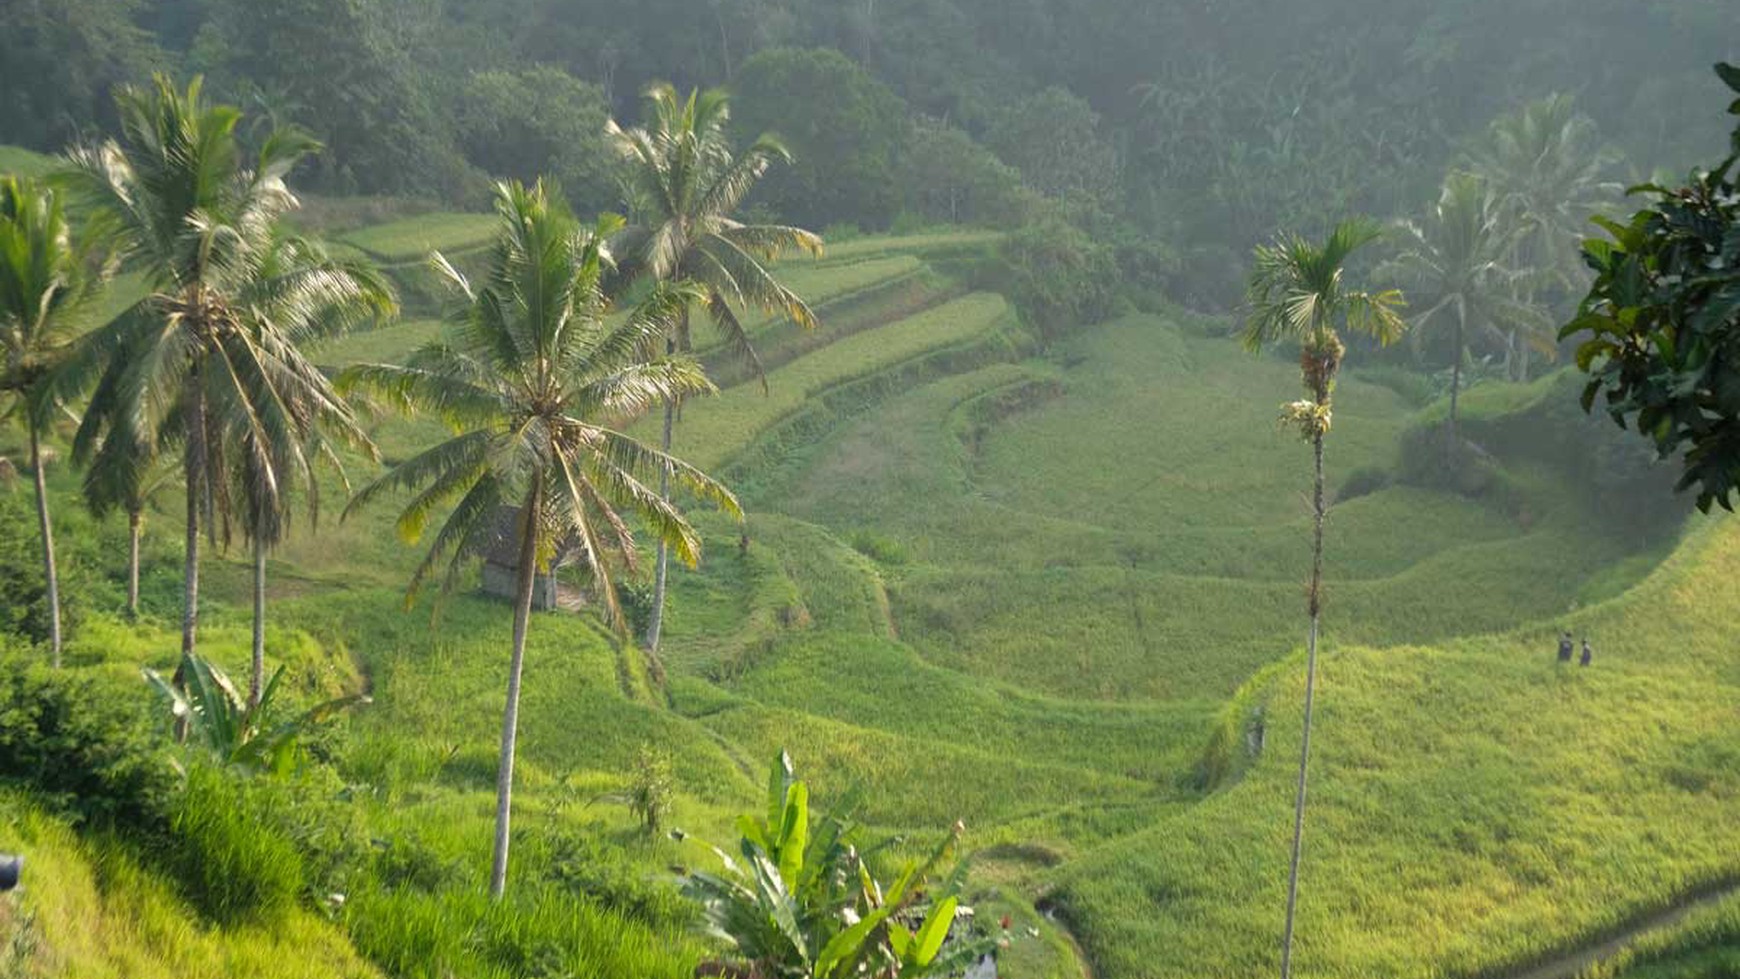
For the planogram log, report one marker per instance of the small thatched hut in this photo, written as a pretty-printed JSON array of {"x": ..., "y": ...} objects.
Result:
[{"x": 501, "y": 561}]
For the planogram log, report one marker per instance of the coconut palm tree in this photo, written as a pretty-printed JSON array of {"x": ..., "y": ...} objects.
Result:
[
  {"x": 532, "y": 383},
  {"x": 212, "y": 347},
  {"x": 45, "y": 283},
  {"x": 1456, "y": 265},
  {"x": 1545, "y": 164},
  {"x": 684, "y": 182},
  {"x": 271, "y": 467},
  {"x": 127, "y": 479},
  {"x": 1298, "y": 291}
]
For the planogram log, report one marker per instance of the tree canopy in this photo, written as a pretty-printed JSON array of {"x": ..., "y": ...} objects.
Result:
[{"x": 1660, "y": 328}]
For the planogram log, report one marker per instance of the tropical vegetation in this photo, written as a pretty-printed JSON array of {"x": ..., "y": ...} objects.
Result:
[
  {"x": 1298, "y": 292},
  {"x": 1008, "y": 557},
  {"x": 532, "y": 381},
  {"x": 684, "y": 185},
  {"x": 1661, "y": 317}
]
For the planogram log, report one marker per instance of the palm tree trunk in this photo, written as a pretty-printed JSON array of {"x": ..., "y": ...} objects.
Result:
[
  {"x": 661, "y": 568},
  {"x": 135, "y": 523},
  {"x": 504, "y": 779},
  {"x": 193, "y": 460},
  {"x": 257, "y": 669},
  {"x": 47, "y": 530},
  {"x": 1315, "y": 600},
  {"x": 1455, "y": 389}
]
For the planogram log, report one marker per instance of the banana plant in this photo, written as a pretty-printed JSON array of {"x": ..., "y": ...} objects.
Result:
[
  {"x": 216, "y": 716},
  {"x": 797, "y": 904}
]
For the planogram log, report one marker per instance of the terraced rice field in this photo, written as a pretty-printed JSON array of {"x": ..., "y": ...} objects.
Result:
[{"x": 1060, "y": 598}]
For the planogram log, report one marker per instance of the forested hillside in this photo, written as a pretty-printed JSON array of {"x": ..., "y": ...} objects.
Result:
[{"x": 1180, "y": 133}]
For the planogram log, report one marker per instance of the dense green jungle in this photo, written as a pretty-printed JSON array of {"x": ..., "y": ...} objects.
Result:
[{"x": 876, "y": 489}]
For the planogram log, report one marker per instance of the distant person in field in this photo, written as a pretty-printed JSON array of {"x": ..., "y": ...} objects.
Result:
[
  {"x": 1588, "y": 653},
  {"x": 1565, "y": 646}
]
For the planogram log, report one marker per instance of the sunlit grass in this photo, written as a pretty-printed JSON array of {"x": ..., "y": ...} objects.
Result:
[
  {"x": 90, "y": 908},
  {"x": 409, "y": 239},
  {"x": 714, "y": 428},
  {"x": 1023, "y": 595},
  {"x": 917, "y": 244},
  {"x": 385, "y": 345},
  {"x": 1472, "y": 806}
]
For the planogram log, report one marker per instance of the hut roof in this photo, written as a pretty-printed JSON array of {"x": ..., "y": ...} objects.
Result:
[{"x": 503, "y": 544}]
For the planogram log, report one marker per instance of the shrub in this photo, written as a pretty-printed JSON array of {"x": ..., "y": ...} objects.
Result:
[
  {"x": 586, "y": 867},
  {"x": 636, "y": 598},
  {"x": 1057, "y": 276},
  {"x": 82, "y": 742},
  {"x": 879, "y": 547},
  {"x": 841, "y": 231},
  {"x": 234, "y": 863},
  {"x": 1363, "y": 481}
]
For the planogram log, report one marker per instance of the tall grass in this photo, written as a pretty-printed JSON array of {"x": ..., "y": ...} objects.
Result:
[
  {"x": 409, "y": 239},
  {"x": 1055, "y": 597},
  {"x": 714, "y": 428}
]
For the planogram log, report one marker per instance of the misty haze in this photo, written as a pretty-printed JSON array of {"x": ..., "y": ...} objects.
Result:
[{"x": 869, "y": 489}]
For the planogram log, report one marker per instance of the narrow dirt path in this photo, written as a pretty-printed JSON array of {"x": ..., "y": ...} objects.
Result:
[{"x": 1573, "y": 963}]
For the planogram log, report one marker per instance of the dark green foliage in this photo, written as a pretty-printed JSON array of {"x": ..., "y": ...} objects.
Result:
[
  {"x": 1363, "y": 481},
  {"x": 1054, "y": 138},
  {"x": 538, "y": 121},
  {"x": 83, "y": 741},
  {"x": 61, "y": 59},
  {"x": 843, "y": 128},
  {"x": 1662, "y": 323},
  {"x": 1616, "y": 474},
  {"x": 236, "y": 865},
  {"x": 945, "y": 176},
  {"x": 584, "y": 865},
  {"x": 23, "y": 591},
  {"x": 339, "y": 69},
  {"x": 1057, "y": 276}
]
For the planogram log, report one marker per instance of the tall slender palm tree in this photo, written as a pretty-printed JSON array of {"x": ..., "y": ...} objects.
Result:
[
  {"x": 1297, "y": 291},
  {"x": 1456, "y": 265},
  {"x": 272, "y": 467},
  {"x": 531, "y": 384},
  {"x": 1545, "y": 163},
  {"x": 129, "y": 479},
  {"x": 213, "y": 346},
  {"x": 684, "y": 182},
  {"x": 46, "y": 281}
]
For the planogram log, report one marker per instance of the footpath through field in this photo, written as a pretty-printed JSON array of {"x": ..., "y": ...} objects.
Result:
[{"x": 1577, "y": 962}]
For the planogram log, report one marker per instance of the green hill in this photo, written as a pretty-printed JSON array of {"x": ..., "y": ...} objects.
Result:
[
  {"x": 1058, "y": 597},
  {"x": 26, "y": 163}
]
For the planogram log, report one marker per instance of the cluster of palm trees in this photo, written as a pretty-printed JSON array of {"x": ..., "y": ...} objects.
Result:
[
  {"x": 208, "y": 372},
  {"x": 1500, "y": 244}
]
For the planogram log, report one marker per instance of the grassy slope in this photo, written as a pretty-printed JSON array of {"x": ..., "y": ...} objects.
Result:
[
  {"x": 409, "y": 239},
  {"x": 1473, "y": 805},
  {"x": 1205, "y": 547},
  {"x": 1703, "y": 945},
  {"x": 969, "y": 593},
  {"x": 92, "y": 909},
  {"x": 23, "y": 162}
]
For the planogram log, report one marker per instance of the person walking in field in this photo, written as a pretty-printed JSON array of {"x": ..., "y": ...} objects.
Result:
[
  {"x": 1588, "y": 653},
  {"x": 1565, "y": 646}
]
